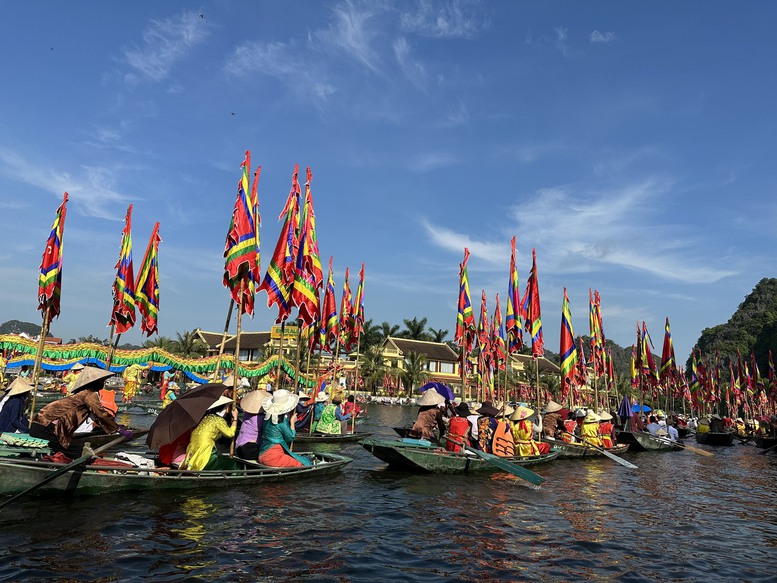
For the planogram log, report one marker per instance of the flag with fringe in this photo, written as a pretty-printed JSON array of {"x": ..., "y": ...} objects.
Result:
[
  {"x": 308, "y": 276},
  {"x": 465, "y": 317},
  {"x": 329, "y": 313},
  {"x": 357, "y": 310},
  {"x": 147, "y": 285},
  {"x": 513, "y": 318},
  {"x": 50, "y": 280},
  {"x": 596, "y": 332},
  {"x": 567, "y": 349},
  {"x": 498, "y": 338},
  {"x": 241, "y": 250},
  {"x": 123, "y": 313},
  {"x": 346, "y": 317},
  {"x": 531, "y": 309},
  {"x": 279, "y": 279},
  {"x": 668, "y": 370}
]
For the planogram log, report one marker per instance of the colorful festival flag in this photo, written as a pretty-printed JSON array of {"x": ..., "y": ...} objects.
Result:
[
  {"x": 596, "y": 333},
  {"x": 531, "y": 309},
  {"x": 465, "y": 318},
  {"x": 668, "y": 370},
  {"x": 357, "y": 310},
  {"x": 50, "y": 280},
  {"x": 513, "y": 318},
  {"x": 567, "y": 350},
  {"x": 329, "y": 326},
  {"x": 308, "y": 276},
  {"x": 123, "y": 313},
  {"x": 346, "y": 318},
  {"x": 147, "y": 285},
  {"x": 241, "y": 250},
  {"x": 279, "y": 279},
  {"x": 498, "y": 338}
]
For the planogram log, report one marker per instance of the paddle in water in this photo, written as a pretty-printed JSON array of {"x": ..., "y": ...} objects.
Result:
[
  {"x": 695, "y": 450},
  {"x": 502, "y": 463},
  {"x": 72, "y": 465},
  {"x": 606, "y": 453}
]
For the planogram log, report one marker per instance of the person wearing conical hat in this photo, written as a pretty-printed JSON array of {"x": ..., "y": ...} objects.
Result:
[
  {"x": 279, "y": 433},
  {"x": 606, "y": 430},
  {"x": 201, "y": 453},
  {"x": 131, "y": 376},
  {"x": 429, "y": 424},
  {"x": 523, "y": 433},
  {"x": 552, "y": 423},
  {"x": 70, "y": 377},
  {"x": 252, "y": 428},
  {"x": 13, "y": 407},
  {"x": 589, "y": 431},
  {"x": 333, "y": 421},
  {"x": 58, "y": 421}
]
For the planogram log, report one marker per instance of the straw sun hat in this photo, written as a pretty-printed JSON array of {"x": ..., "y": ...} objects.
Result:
[
  {"x": 222, "y": 400},
  {"x": 19, "y": 386},
  {"x": 591, "y": 418},
  {"x": 90, "y": 378},
  {"x": 431, "y": 398},
  {"x": 252, "y": 402},
  {"x": 281, "y": 402},
  {"x": 322, "y": 397},
  {"x": 552, "y": 407},
  {"x": 521, "y": 413}
]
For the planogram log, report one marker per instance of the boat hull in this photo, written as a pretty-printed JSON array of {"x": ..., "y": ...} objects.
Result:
[
  {"x": 16, "y": 475},
  {"x": 765, "y": 442},
  {"x": 715, "y": 439},
  {"x": 314, "y": 437},
  {"x": 568, "y": 451},
  {"x": 639, "y": 442},
  {"x": 433, "y": 459}
]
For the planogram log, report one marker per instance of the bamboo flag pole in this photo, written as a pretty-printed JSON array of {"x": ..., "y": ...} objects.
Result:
[
  {"x": 278, "y": 383},
  {"x": 296, "y": 360},
  {"x": 355, "y": 384},
  {"x": 44, "y": 330},
  {"x": 216, "y": 371},
  {"x": 235, "y": 371}
]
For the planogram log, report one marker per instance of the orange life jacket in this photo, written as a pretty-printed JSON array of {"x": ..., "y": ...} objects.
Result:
[
  {"x": 503, "y": 444},
  {"x": 108, "y": 400},
  {"x": 457, "y": 429}
]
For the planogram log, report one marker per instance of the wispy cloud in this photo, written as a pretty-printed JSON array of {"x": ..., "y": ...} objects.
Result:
[
  {"x": 458, "y": 117},
  {"x": 602, "y": 37},
  {"x": 413, "y": 70},
  {"x": 92, "y": 191},
  {"x": 165, "y": 42},
  {"x": 432, "y": 161},
  {"x": 454, "y": 19},
  {"x": 493, "y": 253},
  {"x": 351, "y": 33},
  {"x": 561, "y": 40}
]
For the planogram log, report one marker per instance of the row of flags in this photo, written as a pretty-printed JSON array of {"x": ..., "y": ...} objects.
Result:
[
  {"x": 128, "y": 291},
  {"x": 294, "y": 276}
]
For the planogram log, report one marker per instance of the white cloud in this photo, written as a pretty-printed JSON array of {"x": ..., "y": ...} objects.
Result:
[
  {"x": 165, "y": 42},
  {"x": 413, "y": 70},
  {"x": 561, "y": 41},
  {"x": 432, "y": 161},
  {"x": 458, "y": 117},
  {"x": 351, "y": 34},
  {"x": 454, "y": 19},
  {"x": 602, "y": 37}
]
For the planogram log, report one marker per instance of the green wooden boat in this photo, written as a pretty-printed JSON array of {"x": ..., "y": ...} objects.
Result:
[
  {"x": 315, "y": 437},
  {"x": 18, "y": 474},
  {"x": 568, "y": 451},
  {"x": 415, "y": 457},
  {"x": 724, "y": 438},
  {"x": 644, "y": 442}
]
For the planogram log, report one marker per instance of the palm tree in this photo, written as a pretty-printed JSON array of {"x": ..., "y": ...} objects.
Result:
[
  {"x": 372, "y": 335},
  {"x": 438, "y": 335},
  {"x": 415, "y": 370},
  {"x": 163, "y": 342},
  {"x": 92, "y": 340},
  {"x": 372, "y": 368},
  {"x": 389, "y": 330},
  {"x": 415, "y": 329},
  {"x": 188, "y": 345}
]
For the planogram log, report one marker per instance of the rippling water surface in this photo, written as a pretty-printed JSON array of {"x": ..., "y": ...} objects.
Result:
[{"x": 679, "y": 517}]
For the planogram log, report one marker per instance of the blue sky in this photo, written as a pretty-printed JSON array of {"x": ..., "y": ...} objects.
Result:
[{"x": 630, "y": 143}]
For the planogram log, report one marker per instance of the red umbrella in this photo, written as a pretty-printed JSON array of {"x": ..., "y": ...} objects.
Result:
[{"x": 184, "y": 414}]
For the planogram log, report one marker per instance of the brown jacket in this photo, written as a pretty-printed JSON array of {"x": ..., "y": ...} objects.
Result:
[
  {"x": 428, "y": 420},
  {"x": 68, "y": 413},
  {"x": 551, "y": 423}
]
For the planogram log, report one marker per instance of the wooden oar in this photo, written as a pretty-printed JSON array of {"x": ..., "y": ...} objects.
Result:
[
  {"x": 682, "y": 445},
  {"x": 502, "y": 464},
  {"x": 71, "y": 466},
  {"x": 608, "y": 454}
]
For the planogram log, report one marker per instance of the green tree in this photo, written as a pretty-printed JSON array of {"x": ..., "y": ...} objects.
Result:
[
  {"x": 372, "y": 335},
  {"x": 389, "y": 330},
  {"x": 93, "y": 340},
  {"x": 438, "y": 335},
  {"x": 415, "y": 329},
  {"x": 189, "y": 345},
  {"x": 162, "y": 342},
  {"x": 372, "y": 368},
  {"x": 415, "y": 372}
]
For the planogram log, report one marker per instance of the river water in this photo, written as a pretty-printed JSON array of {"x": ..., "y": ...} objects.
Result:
[{"x": 679, "y": 517}]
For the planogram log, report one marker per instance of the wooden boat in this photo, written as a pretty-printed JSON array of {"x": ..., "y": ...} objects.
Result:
[
  {"x": 415, "y": 457},
  {"x": 568, "y": 451},
  {"x": 765, "y": 442},
  {"x": 644, "y": 442},
  {"x": 715, "y": 439},
  {"x": 18, "y": 474},
  {"x": 315, "y": 437}
]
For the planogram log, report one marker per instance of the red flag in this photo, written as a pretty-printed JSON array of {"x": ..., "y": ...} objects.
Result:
[
  {"x": 147, "y": 288},
  {"x": 531, "y": 309},
  {"x": 50, "y": 280},
  {"x": 123, "y": 313}
]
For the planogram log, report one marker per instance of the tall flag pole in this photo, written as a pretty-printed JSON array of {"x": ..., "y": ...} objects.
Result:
[
  {"x": 567, "y": 349},
  {"x": 147, "y": 285},
  {"x": 668, "y": 371},
  {"x": 329, "y": 327},
  {"x": 533, "y": 323},
  {"x": 513, "y": 319},
  {"x": 465, "y": 322},
  {"x": 49, "y": 288},
  {"x": 346, "y": 318},
  {"x": 357, "y": 314},
  {"x": 484, "y": 361},
  {"x": 498, "y": 349},
  {"x": 308, "y": 276},
  {"x": 123, "y": 313}
]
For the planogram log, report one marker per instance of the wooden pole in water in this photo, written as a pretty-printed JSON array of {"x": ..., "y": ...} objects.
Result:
[{"x": 44, "y": 330}]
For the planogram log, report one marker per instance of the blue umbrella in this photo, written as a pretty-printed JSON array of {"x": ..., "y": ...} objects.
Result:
[
  {"x": 442, "y": 389},
  {"x": 645, "y": 408},
  {"x": 624, "y": 411}
]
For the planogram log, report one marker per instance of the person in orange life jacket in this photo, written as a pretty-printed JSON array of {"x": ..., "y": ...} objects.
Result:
[
  {"x": 459, "y": 428},
  {"x": 429, "y": 416},
  {"x": 503, "y": 443},
  {"x": 487, "y": 425},
  {"x": 523, "y": 433},
  {"x": 606, "y": 430}
]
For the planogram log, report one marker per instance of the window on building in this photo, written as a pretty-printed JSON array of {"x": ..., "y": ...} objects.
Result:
[{"x": 446, "y": 367}]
